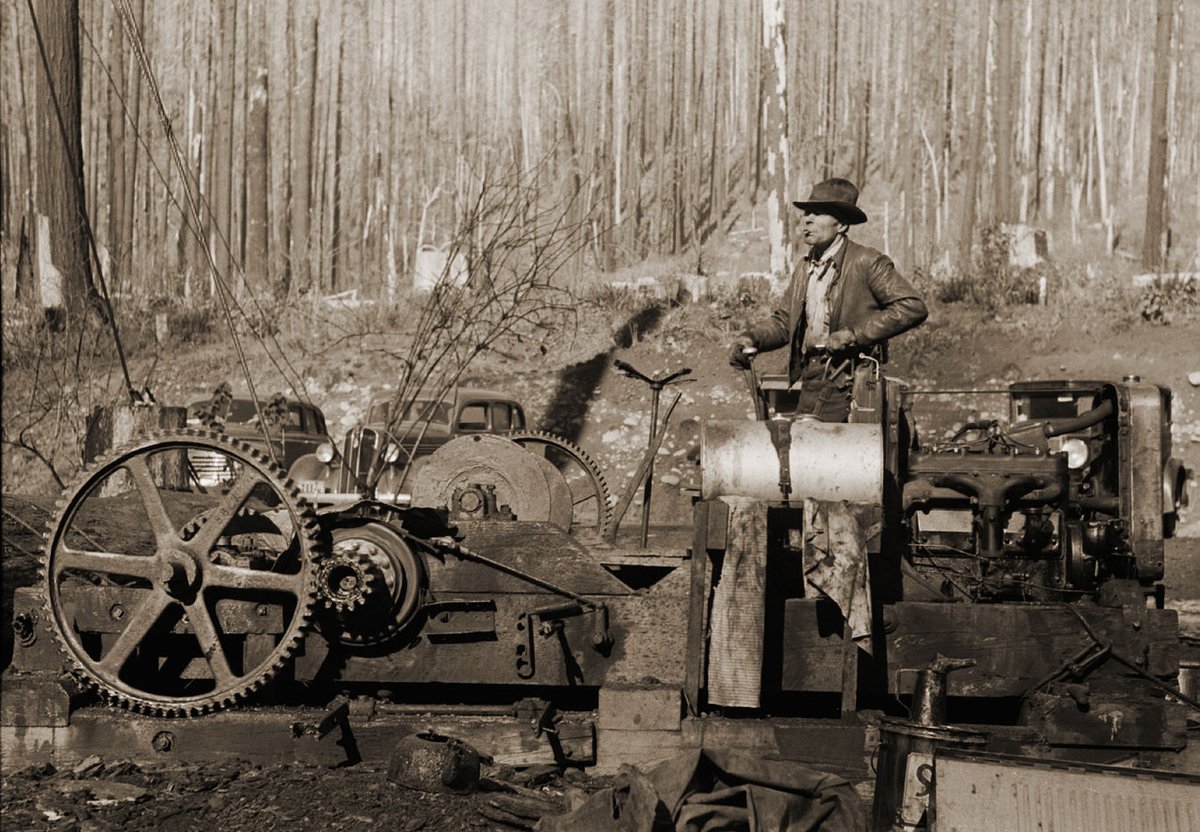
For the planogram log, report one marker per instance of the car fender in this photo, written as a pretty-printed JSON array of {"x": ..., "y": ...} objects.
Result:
[{"x": 309, "y": 467}]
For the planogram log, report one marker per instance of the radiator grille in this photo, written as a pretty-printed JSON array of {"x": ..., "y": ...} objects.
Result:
[
  {"x": 211, "y": 467},
  {"x": 1014, "y": 794},
  {"x": 358, "y": 457}
]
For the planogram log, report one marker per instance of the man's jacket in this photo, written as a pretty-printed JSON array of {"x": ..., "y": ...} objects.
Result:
[{"x": 866, "y": 296}]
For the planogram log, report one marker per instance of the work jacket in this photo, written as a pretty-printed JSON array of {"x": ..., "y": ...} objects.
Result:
[{"x": 866, "y": 296}]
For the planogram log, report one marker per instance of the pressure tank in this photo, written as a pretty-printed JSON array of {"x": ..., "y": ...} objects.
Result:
[{"x": 826, "y": 460}]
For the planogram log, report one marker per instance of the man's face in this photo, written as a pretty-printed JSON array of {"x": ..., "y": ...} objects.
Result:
[{"x": 819, "y": 230}]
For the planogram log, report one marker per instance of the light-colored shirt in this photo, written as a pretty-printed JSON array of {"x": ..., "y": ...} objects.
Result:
[{"x": 816, "y": 302}]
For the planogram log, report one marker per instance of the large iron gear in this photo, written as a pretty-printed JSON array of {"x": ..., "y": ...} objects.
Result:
[
  {"x": 377, "y": 583},
  {"x": 591, "y": 502},
  {"x": 528, "y": 484},
  {"x": 145, "y": 581}
]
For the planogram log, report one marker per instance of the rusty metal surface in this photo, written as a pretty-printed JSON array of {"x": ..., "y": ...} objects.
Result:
[
  {"x": 1141, "y": 464},
  {"x": 1000, "y": 793}
]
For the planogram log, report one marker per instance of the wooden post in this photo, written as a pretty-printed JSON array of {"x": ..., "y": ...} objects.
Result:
[{"x": 710, "y": 520}]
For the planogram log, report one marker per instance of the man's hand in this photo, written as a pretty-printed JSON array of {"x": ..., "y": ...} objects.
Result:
[
  {"x": 738, "y": 357},
  {"x": 843, "y": 339}
]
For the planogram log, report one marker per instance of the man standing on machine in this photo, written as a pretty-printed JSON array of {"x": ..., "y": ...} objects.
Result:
[{"x": 845, "y": 301}]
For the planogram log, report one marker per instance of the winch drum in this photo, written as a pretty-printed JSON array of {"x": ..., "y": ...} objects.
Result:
[{"x": 826, "y": 461}]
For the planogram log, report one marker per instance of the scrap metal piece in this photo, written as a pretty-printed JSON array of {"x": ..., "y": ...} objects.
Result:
[{"x": 430, "y": 762}]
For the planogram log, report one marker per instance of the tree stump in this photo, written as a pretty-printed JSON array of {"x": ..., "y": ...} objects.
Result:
[{"x": 111, "y": 426}]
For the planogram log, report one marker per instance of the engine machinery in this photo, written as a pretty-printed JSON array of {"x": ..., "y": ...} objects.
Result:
[{"x": 1031, "y": 546}]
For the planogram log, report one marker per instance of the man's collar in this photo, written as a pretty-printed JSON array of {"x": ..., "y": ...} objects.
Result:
[{"x": 830, "y": 252}]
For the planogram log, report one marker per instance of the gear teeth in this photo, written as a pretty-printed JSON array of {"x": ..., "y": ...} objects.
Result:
[
  {"x": 79, "y": 663},
  {"x": 604, "y": 510}
]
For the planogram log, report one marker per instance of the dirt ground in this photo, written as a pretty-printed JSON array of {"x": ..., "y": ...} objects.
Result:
[
  {"x": 99, "y": 796},
  {"x": 574, "y": 391}
]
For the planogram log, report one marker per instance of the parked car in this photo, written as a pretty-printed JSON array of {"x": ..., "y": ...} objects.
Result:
[
  {"x": 330, "y": 474},
  {"x": 295, "y": 429}
]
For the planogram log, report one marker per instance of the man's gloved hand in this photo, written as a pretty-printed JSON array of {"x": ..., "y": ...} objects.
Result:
[
  {"x": 737, "y": 355},
  {"x": 843, "y": 339}
]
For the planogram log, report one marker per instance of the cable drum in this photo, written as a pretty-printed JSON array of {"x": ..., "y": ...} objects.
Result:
[{"x": 825, "y": 460}]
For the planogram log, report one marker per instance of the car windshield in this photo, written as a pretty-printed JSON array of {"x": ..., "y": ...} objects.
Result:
[
  {"x": 241, "y": 411},
  {"x": 379, "y": 412}
]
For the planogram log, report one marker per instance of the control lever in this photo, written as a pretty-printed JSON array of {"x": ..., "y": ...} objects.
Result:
[
  {"x": 657, "y": 383},
  {"x": 760, "y": 406}
]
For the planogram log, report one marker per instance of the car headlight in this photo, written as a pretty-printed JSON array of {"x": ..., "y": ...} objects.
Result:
[
  {"x": 391, "y": 453},
  {"x": 325, "y": 452},
  {"x": 1077, "y": 453}
]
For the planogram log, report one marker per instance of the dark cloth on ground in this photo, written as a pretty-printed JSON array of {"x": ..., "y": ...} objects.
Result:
[{"x": 716, "y": 789}]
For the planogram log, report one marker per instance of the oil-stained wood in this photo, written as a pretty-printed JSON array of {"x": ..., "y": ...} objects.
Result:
[
  {"x": 268, "y": 735},
  {"x": 1017, "y": 645},
  {"x": 739, "y": 609},
  {"x": 650, "y": 633},
  {"x": 1110, "y": 721},
  {"x": 698, "y": 587},
  {"x": 837, "y": 747},
  {"x": 538, "y": 549},
  {"x": 813, "y": 651}
]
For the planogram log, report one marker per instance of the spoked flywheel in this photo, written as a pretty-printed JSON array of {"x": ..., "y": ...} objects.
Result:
[
  {"x": 175, "y": 599},
  {"x": 589, "y": 491}
]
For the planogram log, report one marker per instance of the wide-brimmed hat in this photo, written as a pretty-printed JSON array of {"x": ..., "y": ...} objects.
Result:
[{"x": 836, "y": 197}]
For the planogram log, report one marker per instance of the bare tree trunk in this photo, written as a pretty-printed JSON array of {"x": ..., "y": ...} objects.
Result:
[
  {"x": 775, "y": 138},
  {"x": 1003, "y": 114},
  {"x": 1101, "y": 160},
  {"x": 257, "y": 159},
  {"x": 338, "y": 103},
  {"x": 1154, "y": 240},
  {"x": 123, "y": 252},
  {"x": 65, "y": 268},
  {"x": 974, "y": 159},
  {"x": 118, "y": 182}
]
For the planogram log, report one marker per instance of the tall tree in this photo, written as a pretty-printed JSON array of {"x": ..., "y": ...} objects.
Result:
[
  {"x": 775, "y": 137},
  {"x": 257, "y": 179},
  {"x": 59, "y": 196},
  {"x": 1153, "y": 245},
  {"x": 974, "y": 161}
]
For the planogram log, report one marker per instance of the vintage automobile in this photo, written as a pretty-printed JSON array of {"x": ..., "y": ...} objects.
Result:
[
  {"x": 426, "y": 425},
  {"x": 295, "y": 429}
]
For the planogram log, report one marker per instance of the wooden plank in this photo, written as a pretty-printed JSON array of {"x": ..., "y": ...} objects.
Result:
[
  {"x": 650, "y": 633},
  {"x": 813, "y": 652},
  {"x": 1110, "y": 721},
  {"x": 267, "y": 735},
  {"x": 639, "y": 708},
  {"x": 739, "y": 609},
  {"x": 697, "y": 636},
  {"x": 828, "y": 745},
  {"x": 538, "y": 549},
  {"x": 1017, "y": 645}
]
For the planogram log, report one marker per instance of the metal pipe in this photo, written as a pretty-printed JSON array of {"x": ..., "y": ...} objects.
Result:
[
  {"x": 1092, "y": 417},
  {"x": 651, "y": 450}
]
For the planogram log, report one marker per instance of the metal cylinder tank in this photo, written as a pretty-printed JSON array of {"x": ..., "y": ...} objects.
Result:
[{"x": 826, "y": 460}]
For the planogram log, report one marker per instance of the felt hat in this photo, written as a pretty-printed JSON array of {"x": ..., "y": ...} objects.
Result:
[{"x": 836, "y": 197}]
